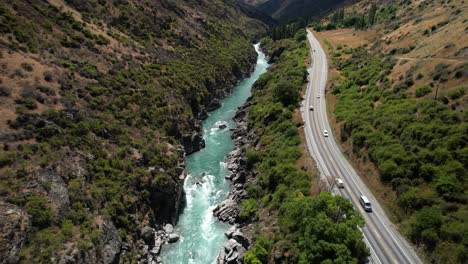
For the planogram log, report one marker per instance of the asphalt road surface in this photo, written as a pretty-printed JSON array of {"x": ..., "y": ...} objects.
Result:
[{"x": 385, "y": 243}]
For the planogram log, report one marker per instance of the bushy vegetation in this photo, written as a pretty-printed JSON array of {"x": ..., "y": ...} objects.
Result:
[
  {"x": 341, "y": 19},
  {"x": 423, "y": 90},
  {"x": 107, "y": 130},
  {"x": 29, "y": 35},
  {"x": 290, "y": 30},
  {"x": 309, "y": 229},
  {"x": 418, "y": 145},
  {"x": 115, "y": 139}
]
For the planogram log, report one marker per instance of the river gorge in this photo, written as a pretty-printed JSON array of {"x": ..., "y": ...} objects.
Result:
[{"x": 201, "y": 234}]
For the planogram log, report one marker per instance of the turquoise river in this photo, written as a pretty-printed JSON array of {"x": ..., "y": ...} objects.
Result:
[{"x": 202, "y": 235}]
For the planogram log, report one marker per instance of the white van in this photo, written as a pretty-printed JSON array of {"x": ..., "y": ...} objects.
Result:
[
  {"x": 339, "y": 182},
  {"x": 365, "y": 203}
]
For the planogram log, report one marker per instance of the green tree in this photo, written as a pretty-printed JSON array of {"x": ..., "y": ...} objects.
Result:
[
  {"x": 328, "y": 227},
  {"x": 285, "y": 93},
  {"x": 260, "y": 251},
  {"x": 426, "y": 226}
]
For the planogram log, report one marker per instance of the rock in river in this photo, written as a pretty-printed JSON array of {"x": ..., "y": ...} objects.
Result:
[
  {"x": 221, "y": 124},
  {"x": 173, "y": 238}
]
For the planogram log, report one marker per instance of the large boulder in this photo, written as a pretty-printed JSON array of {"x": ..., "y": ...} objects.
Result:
[
  {"x": 203, "y": 114},
  {"x": 233, "y": 253},
  {"x": 227, "y": 211},
  {"x": 221, "y": 124},
  {"x": 193, "y": 142},
  {"x": 241, "y": 238},
  {"x": 173, "y": 238},
  {"x": 168, "y": 228},
  {"x": 230, "y": 231}
]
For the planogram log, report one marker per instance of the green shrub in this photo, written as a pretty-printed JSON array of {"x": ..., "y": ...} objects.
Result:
[
  {"x": 69, "y": 43},
  {"x": 42, "y": 246},
  {"x": 461, "y": 71},
  {"x": 101, "y": 40},
  {"x": 27, "y": 67},
  {"x": 48, "y": 76},
  {"x": 249, "y": 209},
  {"x": 423, "y": 90},
  {"x": 40, "y": 213},
  {"x": 4, "y": 91},
  {"x": 457, "y": 93},
  {"x": 47, "y": 90},
  {"x": 28, "y": 103},
  {"x": 260, "y": 251},
  {"x": 250, "y": 258},
  {"x": 440, "y": 72},
  {"x": 252, "y": 157}
]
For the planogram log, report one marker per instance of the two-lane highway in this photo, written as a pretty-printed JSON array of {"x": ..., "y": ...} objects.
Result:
[{"x": 385, "y": 243}]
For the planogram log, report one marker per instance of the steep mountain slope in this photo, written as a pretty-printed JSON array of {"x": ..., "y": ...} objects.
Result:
[
  {"x": 399, "y": 100},
  {"x": 284, "y": 10},
  {"x": 253, "y": 12},
  {"x": 99, "y": 102}
]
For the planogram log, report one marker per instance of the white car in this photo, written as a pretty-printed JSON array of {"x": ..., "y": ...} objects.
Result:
[
  {"x": 339, "y": 183},
  {"x": 325, "y": 133},
  {"x": 318, "y": 95},
  {"x": 311, "y": 108}
]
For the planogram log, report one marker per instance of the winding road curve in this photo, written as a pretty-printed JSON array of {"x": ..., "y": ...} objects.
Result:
[{"x": 385, "y": 243}]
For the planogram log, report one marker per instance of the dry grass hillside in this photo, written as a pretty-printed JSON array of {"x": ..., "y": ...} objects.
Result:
[
  {"x": 290, "y": 10},
  {"x": 421, "y": 35},
  {"x": 398, "y": 94}
]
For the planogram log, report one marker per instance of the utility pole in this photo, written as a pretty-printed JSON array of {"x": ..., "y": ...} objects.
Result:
[{"x": 437, "y": 90}]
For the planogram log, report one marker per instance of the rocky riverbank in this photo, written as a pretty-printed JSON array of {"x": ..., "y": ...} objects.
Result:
[
  {"x": 228, "y": 211},
  {"x": 157, "y": 237},
  {"x": 194, "y": 141}
]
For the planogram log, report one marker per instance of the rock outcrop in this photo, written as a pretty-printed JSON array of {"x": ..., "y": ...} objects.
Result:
[
  {"x": 235, "y": 248},
  {"x": 57, "y": 192},
  {"x": 238, "y": 173},
  {"x": 227, "y": 211},
  {"x": 168, "y": 196},
  {"x": 111, "y": 241},
  {"x": 153, "y": 240},
  {"x": 193, "y": 141},
  {"x": 14, "y": 226}
]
